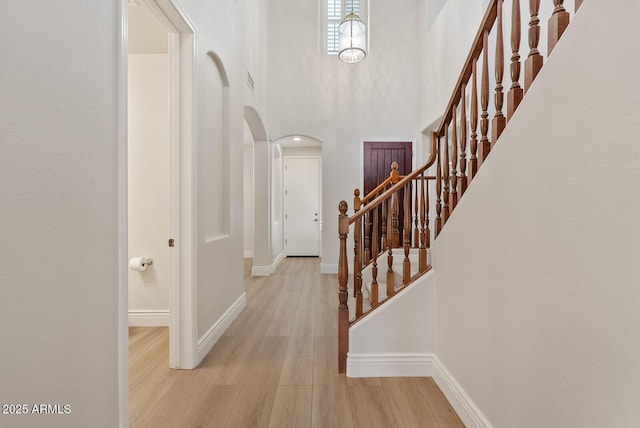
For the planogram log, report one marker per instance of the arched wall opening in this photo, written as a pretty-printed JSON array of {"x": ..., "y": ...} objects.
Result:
[{"x": 263, "y": 263}]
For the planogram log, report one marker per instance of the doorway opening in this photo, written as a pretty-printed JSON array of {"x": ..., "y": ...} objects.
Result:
[
  {"x": 158, "y": 60},
  {"x": 148, "y": 171},
  {"x": 301, "y": 196}
]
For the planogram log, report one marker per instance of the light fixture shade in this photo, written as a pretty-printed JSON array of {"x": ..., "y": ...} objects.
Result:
[{"x": 353, "y": 39}]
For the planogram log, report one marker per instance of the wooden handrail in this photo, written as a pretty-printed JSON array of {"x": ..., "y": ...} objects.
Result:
[
  {"x": 399, "y": 185},
  {"x": 476, "y": 47},
  {"x": 394, "y": 217}
]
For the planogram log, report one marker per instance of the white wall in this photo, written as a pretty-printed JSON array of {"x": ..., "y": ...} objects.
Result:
[
  {"x": 248, "y": 193},
  {"x": 313, "y": 94},
  {"x": 536, "y": 286},
  {"x": 277, "y": 204},
  {"x": 148, "y": 181},
  {"x": 220, "y": 261},
  {"x": 59, "y": 210},
  {"x": 446, "y": 40},
  {"x": 397, "y": 338}
]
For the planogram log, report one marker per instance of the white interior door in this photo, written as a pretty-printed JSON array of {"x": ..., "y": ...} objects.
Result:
[{"x": 302, "y": 206}]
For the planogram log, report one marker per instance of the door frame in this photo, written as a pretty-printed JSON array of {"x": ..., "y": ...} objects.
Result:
[
  {"x": 182, "y": 118},
  {"x": 319, "y": 158}
]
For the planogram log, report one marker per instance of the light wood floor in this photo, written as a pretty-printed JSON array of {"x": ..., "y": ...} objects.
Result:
[{"x": 276, "y": 366}]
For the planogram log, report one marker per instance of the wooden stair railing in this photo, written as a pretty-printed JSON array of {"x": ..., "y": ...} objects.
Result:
[
  {"x": 412, "y": 189},
  {"x": 457, "y": 152}
]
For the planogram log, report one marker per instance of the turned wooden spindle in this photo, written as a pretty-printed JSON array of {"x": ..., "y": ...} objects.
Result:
[
  {"x": 485, "y": 145},
  {"x": 445, "y": 178},
  {"x": 534, "y": 61},
  {"x": 367, "y": 237},
  {"x": 395, "y": 224},
  {"x": 357, "y": 267},
  {"x": 438, "y": 224},
  {"x": 390, "y": 274},
  {"x": 514, "y": 96},
  {"x": 383, "y": 244},
  {"x": 416, "y": 230},
  {"x": 578, "y": 4},
  {"x": 406, "y": 241},
  {"x": 343, "y": 278},
  {"x": 374, "y": 267},
  {"x": 454, "y": 159},
  {"x": 557, "y": 24},
  {"x": 473, "y": 159},
  {"x": 462, "y": 177},
  {"x": 499, "y": 121},
  {"x": 424, "y": 224}
]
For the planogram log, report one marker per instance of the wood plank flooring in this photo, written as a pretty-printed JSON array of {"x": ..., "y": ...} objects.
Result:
[{"x": 275, "y": 367}]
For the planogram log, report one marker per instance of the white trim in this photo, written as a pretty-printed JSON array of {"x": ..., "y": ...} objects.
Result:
[
  {"x": 248, "y": 254},
  {"x": 389, "y": 365},
  {"x": 328, "y": 269},
  {"x": 276, "y": 262},
  {"x": 216, "y": 331},
  {"x": 261, "y": 270},
  {"x": 464, "y": 406},
  {"x": 145, "y": 318},
  {"x": 267, "y": 270},
  {"x": 332, "y": 269},
  {"x": 123, "y": 243}
]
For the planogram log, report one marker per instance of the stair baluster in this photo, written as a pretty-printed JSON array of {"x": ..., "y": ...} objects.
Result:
[
  {"x": 357, "y": 267},
  {"x": 499, "y": 121},
  {"x": 473, "y": 160},
  {"x": 462, "y": 177},
  {"x": 515, "y": 94},
  {"x": 390, "y": 244},
  {"x": 438, "y": 188},
  {"x": 485, "y": 145},
  {"x": 534, "y": 61},
  {"x": 558, "y": 22},
  {"x": 406, "y": 264},
  {"x": 445, "y": 177},
  {"x": 454, "y": 159},
  {"x": 374, "y": 268}
]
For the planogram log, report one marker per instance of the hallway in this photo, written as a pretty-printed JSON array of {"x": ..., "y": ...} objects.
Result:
[{"x": 276, "y": 366}]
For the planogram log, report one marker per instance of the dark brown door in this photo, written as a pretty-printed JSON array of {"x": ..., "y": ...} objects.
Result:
[{"x": 378, "y": 157}]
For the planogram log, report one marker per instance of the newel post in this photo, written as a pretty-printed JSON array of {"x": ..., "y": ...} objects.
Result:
[{"x": 343, "y": 278}]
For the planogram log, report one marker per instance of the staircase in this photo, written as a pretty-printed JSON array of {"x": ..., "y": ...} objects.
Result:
[{"x": 430, "y": 194}]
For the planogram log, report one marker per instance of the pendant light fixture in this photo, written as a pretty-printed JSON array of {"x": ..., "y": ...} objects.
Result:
[{"x": 352, "y": 38}]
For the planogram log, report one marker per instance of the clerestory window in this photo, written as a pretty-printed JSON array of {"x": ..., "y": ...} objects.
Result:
[{"x": 336, "y": 10}]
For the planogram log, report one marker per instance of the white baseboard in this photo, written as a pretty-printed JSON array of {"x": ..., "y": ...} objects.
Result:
[
  {"x": 144, "y": 318},
  {"x": 207, "y": 341},
  {"x": 389, "y": 365},
  {"x": 267, "y": 270},
  {"x": 260, "y": 270},
  {"x": 327, "y": 269},
  {"x": 466, "y": 409},
  {"x": 248, "y": 254},
  {"x": 276, "y": 262}
]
